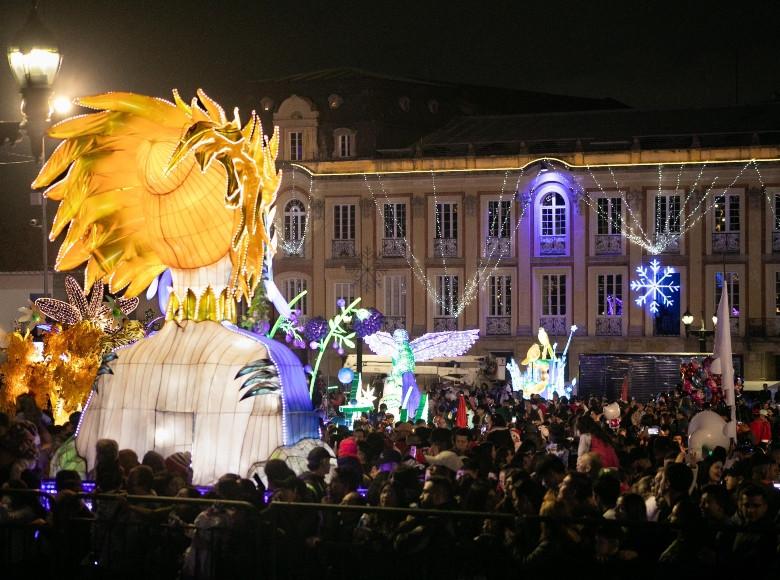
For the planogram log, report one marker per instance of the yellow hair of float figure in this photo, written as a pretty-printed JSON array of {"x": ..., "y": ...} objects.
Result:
[{"x": 151, "y": 184}]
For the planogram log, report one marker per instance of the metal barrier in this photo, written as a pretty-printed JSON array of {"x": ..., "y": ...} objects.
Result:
[{"x": 152, "y": 538}]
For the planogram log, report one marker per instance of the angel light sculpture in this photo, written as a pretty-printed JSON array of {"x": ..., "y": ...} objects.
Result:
[
  {"x": 147, "y": 185},
  {"x": 401, "y": 390}
]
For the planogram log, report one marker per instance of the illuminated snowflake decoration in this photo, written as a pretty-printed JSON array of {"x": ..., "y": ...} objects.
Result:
[{"x": 655, "y": 286}]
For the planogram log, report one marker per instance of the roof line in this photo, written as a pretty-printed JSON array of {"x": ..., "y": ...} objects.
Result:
[{"x": 531, "y": 162}]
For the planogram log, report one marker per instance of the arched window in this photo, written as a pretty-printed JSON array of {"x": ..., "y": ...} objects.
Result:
[
  {"x": 553, "y": 215},
  {"x": 553, "y": 224},
  {"x": 294, "y": 227}
]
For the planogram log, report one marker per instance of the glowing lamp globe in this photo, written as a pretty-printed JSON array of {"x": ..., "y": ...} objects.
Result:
[
  {"x": 34, "y": 54},
  {"x": 345, "y": 376}
]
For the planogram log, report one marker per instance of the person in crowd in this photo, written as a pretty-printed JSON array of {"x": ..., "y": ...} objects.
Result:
[{"x": 318, "y": 463}]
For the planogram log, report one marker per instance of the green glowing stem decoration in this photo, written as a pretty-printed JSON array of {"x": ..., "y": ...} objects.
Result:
[
  {"x": 335, "y": 333},
  {"x": 280, "y": 319}
]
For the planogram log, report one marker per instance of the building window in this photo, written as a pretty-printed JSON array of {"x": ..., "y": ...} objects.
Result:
[
  {"x": 553, "y": 311},
  {"x": 610, "y": 217},
  {"x": 499, "y": 219},
  {"x": 291, "y": 288},
  {"x": 345, "y": 291},
  {"x": 553, "y": 215},
  {"x": 500, "y": 288},
  {"x": 609, "y": 224},
  {"x": 344, "y": 221},
  {"x": 668, "y": 213},
  {"x": 294, "y": 227},
  {"x": 727, "y": 213},
  {"x": 499, "y": 319},
  {"x": 609, "y": 301},
  {"x": 344, "y": 143},
  {"x": 395, "y": 220},
  {"x": 553, "y": 225},
  {"x": 296, "y": 145},
  {"x": 776, "y": 225},
  {"x": 394, "y": 235},
  {"x": 554, "y": 295},
  {"x": 395, "y": 302},
  {"x": 447, "y": 306},
  {"x": 344, "y": 230},
  {"x": 732, "y": 279},
  {"x": 446, "y": 221},
  {"x": 777, "y": 212},
  {"x": 446, "y": 230},
  {"x": 726, "y": 224}
]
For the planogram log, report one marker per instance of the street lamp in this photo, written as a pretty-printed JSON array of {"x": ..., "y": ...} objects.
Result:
[
  {"x": 702, "y": 333},
  {"x": 35, "y": 59}
]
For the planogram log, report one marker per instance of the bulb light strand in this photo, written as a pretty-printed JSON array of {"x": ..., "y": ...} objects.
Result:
[
  {"x": 476, "y": 282},
  {"x": 296, "y": 247}
]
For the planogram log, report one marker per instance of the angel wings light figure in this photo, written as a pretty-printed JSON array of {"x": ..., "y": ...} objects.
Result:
[{"x": 404, "y": 354}]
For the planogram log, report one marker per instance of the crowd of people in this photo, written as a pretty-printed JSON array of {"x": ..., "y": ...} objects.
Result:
[{"x": 544, "y": 485}]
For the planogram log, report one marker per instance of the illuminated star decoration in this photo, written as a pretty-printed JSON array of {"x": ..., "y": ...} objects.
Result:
[
  {"x": 655, "y": 286},
  {"x": 81, "y": 307}
]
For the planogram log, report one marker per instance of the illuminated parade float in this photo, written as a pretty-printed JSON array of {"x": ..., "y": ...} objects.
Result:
[{"x": 146, "y": 185}]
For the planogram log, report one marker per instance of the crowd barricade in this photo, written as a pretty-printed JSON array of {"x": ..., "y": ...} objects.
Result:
[{"x": 151, "y": 538}]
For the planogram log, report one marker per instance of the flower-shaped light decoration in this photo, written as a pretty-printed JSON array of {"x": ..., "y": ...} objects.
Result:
[
  {"x": 367, "y": 321},
  {"x": 107, "y": 316}
]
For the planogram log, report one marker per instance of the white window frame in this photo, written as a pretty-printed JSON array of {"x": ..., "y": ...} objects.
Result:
[
  {"x": 594, "y": 273},
  {"x": 499, "y": 295},
  {"x": 558, "y": 229},
  {"x": 394, "y": 295},
  {"x": 772, "y": 218},
  {"x": 345, "y": 290},
  {"x": 612, "y": 222},
  {"x": 710, "y": 295},
  {"x": 344, "y": 143},
  {"x": 614, "y": 227},
  {"x": 293, "y": 284},
  {"x": 448, "y": 290},
  {"x": 499, "y": 218},
  {"x": 446, "y": 220},
  {"x": 347, "y": 225},
  {"x": 295, "y": 144},
  {"x": 772, "y": 294},
  {"x": 710, "y": 220},
  {"x": 294, "y": 222},
  {"x": 723, "y": 209},
  {"x": 398, "y": 229},
  {"x": 537, "y": 287}
]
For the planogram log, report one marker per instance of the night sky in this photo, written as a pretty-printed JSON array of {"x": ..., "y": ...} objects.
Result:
[{"x": 646, "y": 54}]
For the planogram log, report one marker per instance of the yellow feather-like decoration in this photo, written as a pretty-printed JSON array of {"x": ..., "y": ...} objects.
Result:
[{"x": 134, "y": 201}]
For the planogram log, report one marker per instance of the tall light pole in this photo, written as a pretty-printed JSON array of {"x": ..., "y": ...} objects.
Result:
[{"x": 35, "y": 60}]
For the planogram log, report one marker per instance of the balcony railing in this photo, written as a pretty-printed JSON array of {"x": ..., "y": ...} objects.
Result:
[
  {"x": 609, "y": 326},
  {"x": 498, "y": 326},
  {"x": 498, "y": 247},
  {"x": 609, "y": 244},
  {"x": 394, "y": 323},
  {"x": 393, "y": 248},
  {"x": 725, "y": 242},
  {"x": 552, "y": 246},
  {"x": 776, "y": 241},
  {"x": 554, "y": 325},
  {"x": 445, "y": 323},
  {"x": 445, "y": 247},
  {"x": 343, "y": 248}
]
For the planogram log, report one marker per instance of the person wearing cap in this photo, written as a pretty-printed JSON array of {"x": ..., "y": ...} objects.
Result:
[
  {"x": 760, "y": 427},
  {"x": 445, "y": 463},
  {"x": 386, "y": 464},
  {"x": 318, "y": 464}
]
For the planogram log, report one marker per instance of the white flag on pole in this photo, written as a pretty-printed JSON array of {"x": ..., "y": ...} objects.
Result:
[{"x": 722, "y": 355}]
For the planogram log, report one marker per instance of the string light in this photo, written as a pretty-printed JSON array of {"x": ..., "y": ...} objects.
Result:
[
  {"x": 479, "y": 280},
  {"x": 683, "y": 221},
  {"x": 295, "y": 247}
]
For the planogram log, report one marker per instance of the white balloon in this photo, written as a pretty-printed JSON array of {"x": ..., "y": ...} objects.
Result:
[
  {"x": 706, "y": 420},
  {"x": 710, "y": 438}
]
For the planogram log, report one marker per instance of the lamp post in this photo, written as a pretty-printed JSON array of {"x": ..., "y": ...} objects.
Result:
[
  {"x": 702, "y": 333},
  {"x": 35, "y": 59}
]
